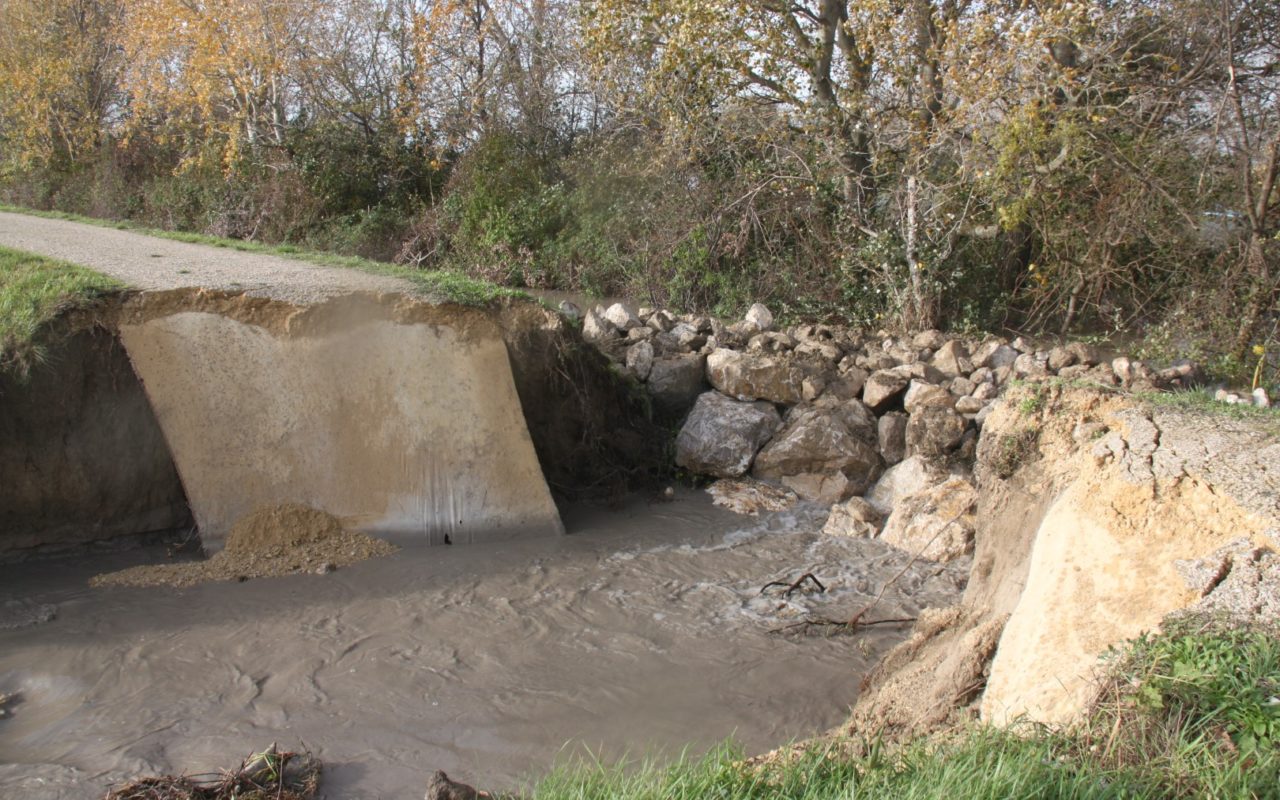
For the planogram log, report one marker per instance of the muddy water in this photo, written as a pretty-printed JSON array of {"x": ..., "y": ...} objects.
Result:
[{"x": 640, "y": 634}]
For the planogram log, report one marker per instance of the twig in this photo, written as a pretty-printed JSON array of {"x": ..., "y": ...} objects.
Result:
[
  {"x": 856, "y": 618},
  {"x": 793, "y": 587}
]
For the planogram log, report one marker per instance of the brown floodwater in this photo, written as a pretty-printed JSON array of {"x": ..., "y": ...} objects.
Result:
[{"x": 640, "y": 634}]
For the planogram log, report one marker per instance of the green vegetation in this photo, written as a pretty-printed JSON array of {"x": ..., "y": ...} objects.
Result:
[
  {"x": 439, "y": 285},
  {"x": 1079, "y": 168},
  {"x": 34, "y": 290},
  {"x": 1188, "y": 713}
]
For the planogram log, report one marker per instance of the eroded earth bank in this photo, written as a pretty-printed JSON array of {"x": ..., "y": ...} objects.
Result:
[{"x": 1022, "y": 502}]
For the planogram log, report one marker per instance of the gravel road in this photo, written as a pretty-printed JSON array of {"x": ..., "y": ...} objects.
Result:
[{"x": 149, "y": 263}]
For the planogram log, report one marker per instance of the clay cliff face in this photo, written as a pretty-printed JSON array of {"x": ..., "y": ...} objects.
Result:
[{"x": 1098, "y": 518}]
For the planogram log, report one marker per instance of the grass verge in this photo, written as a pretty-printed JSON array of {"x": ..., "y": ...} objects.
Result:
[
  {"x": 437, "y": 285},
  {"x": 34, "y": 290},
  {"x": 1189, "y": 713}
]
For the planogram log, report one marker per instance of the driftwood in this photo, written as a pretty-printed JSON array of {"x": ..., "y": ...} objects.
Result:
[{"x": 268, "y": 775}]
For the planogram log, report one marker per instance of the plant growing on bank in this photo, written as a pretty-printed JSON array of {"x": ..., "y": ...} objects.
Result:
[
  {"x": 34, "y": 290},
  {"x": 1188, "y": 713}
]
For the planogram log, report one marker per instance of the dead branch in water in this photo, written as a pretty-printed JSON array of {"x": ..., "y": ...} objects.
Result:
[
  {"x": 857, "y": 620},
  {"x": 795, "y": 586},
  {"x": 268, "y": 775}
]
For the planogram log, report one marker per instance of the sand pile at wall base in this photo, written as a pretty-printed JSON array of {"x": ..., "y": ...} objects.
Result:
[{"x": 274, "y": 540}]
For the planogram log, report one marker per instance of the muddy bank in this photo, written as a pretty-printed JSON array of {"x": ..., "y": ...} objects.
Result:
[
  {"x": 1098, "y": 517},
  {"x": 643, "y": 633},
  {"x": 82, "y": 458},
  {"x": 402, "y": 417}
]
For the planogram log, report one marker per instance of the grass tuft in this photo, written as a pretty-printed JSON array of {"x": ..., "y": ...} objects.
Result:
[{"x": 34, "y": 290}]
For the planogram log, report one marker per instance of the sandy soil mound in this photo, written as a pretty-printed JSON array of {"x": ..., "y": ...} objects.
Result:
[{"x": 273, "y": 540}]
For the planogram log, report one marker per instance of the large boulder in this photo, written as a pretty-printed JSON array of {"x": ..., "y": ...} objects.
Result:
[
  {"x": 891, "y": 436},
  {"x": 596, "y": 328},
  {"x": 748, "y": 376},
  {"x": 759, "y": 317},
  {"x": 952, "y": 359},
  {"x": 934, "y": 431},
  {"x": 676, "y": 382},
  {"x": 622, "y": 317},
  {"x": 816, "y": 440},
  {"x": 937, "y": 523},
  {"x": 905, "y": 478},
  {"x": 921, "y": 395},
  {"x": 640, "y": 359},
  {"x": 882, "y": 388},
  {"x": 722, "y": 435}
]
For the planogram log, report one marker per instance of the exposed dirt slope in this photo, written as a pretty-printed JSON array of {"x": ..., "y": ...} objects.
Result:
[{"x": 1096, "y": 516}]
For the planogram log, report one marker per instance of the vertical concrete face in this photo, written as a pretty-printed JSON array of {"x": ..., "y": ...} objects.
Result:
[{"x": 408, "y": 430}]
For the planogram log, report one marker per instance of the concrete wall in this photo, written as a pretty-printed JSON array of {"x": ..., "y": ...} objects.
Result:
[{"x": 408, "y": 429}]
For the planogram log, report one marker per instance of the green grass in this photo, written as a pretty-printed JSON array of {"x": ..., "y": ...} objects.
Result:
[
  {"x": 437, "y": 285},
  {"x": 1201, "y": 401},
  {"x": 34, "y": 290},
  {"x": 1186, "y": 714}
]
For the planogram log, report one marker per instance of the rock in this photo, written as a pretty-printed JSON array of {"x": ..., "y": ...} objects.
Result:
[
  {"x": 983, "y": 375},
  {"x": 570, "y": 310},
  {"x": 859, "y": 419},
  {"x": 847, "y": 386},
  {"x": 1085, "y": 354},
  {"x": 937, "y": 523},
  {"x": 920, "y": 371},
  {"x": 969, "y": 405},
  {"x": 640, "y": 334},
  {"x": 622, "y": 317},
  {"x": 883, "y": 387},
  {"x": 1074, "y": 372},
  {"x": 1260, "y": 398},
  {"x": 326, "y": 568},
  {"x": 1060, "y": 357},
  {"x": 901, "y": 480},
  {"x": 931, "y": 340},
  {"x": 817, "y": 440},
  {"x": 759, "y": 316},
  {"x": 891, "y": 435},
  {"x": 854, "y": 517},
  {"x": 752, "y": 377},
  {"x": 825, "y": 490},
  {"x": 922, "y": 395},
  {"x": 825, "y": 351},
  {"x": 687, "y": 337},
  {"x": 770, "y": 342},
  {"x": 874, "y": 362},
  {"x": 676, "y": 382},
  {"x": 1182, "y": 374},
  {"x": 986, "y": 392},
  {"x": 747, "y": 496},
  {"x": 961, "y": 387},
  {"x": 812, "y": 387},
  {"x": 439, "y": 787},
  {"x": 722, "y": 435},
  {"x": 994, "y": 353},
  {"x": 952, "y": 359},
  {"x": 640, "y": 359},
  {"x": 1023, "y": 345},
  {"x": 1028, "y": 366},
  {"x": 981, "y": 416},
  {"x": 934, "y": 431},
  {"x": 596, "y": 328},
  {"x": 661, "y": 321}
]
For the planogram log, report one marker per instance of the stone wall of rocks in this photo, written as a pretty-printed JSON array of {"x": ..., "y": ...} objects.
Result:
[{"x": 881, "y": 428}]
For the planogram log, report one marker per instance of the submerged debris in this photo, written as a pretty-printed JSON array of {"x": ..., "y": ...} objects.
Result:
[{"x": 268, "y": 775}]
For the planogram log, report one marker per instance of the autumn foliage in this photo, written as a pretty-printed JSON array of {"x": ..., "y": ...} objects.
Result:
[{"x": 1075, "y": 166}]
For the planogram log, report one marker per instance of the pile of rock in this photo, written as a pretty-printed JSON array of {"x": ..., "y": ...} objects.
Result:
[{"x": 880, "y": 428}]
